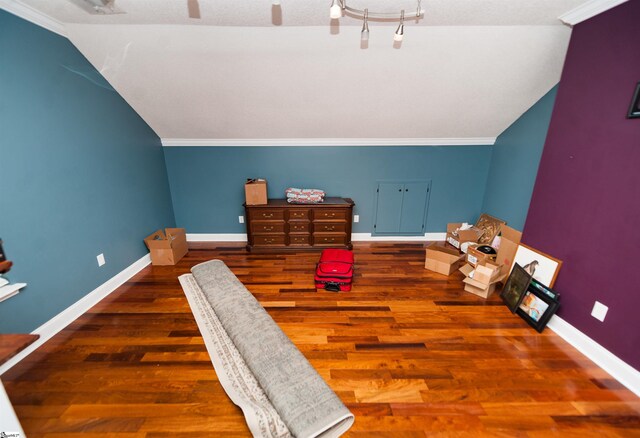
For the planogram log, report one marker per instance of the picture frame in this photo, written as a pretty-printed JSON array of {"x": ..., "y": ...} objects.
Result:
[
  {"x": 537, "y": 306},
  {"x": 515, "y": 287},
  {"x": 634, "y": 109},
  {"x": 544, "y": 289},
  {"x": 547, "y": 267},
  {"x": 490, "y": 227}
]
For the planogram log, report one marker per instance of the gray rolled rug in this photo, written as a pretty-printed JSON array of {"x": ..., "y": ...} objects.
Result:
[{"x": 263, "y": 372}]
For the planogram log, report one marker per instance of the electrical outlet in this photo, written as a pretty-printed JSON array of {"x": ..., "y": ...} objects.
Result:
[
  {"x": 599, "y": 311},
  {"x": 101, "y": 260},
  {"x": 356, "y": 218},
  {"x": 241, "y": 219}
]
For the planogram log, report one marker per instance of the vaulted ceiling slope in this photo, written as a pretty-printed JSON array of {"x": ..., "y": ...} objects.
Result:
[{"x": 221, "y": 71}]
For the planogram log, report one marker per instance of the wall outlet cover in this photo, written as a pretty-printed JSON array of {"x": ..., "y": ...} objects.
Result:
[
  {"x": 356, "y": 218},
  {"x": 599, "y": 311},
  {"x": 101, "y": 260},
  {"x": 241, "y": 219}
]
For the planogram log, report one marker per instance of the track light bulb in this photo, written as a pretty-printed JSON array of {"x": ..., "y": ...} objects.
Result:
[
  {"x": 399, "y": 33},
  {"x": 335, "y": 11},
  {"x": 364, "y": 35}
]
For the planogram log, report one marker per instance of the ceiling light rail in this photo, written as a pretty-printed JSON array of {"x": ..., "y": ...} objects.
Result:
[{"x": 340, "y": 7}]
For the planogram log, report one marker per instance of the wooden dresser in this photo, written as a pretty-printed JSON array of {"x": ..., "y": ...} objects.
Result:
[{"x": 279, "y": 225}]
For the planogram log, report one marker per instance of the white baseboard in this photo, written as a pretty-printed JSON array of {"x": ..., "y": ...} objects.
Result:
[
  {"x": 619, "y": 370},
  {"x": 71, "y": 313},
  {"x": 355, "y": 237},
  {"x": 367, "y": 237},
  {"x": 209, "y": 237}
]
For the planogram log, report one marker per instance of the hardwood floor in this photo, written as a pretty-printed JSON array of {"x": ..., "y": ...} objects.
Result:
[{"x": 407, "y": 350}]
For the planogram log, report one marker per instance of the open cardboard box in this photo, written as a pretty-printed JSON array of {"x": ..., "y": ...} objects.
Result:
[
  {"x": 483, "y": 232},
  {"x": 442, "y": 260},
  {"x": 169, "y": 248},
  {"x": 456, "y": 239},
  {"x": 482, "y": 280},
  {"x": 475, "y": 257}
]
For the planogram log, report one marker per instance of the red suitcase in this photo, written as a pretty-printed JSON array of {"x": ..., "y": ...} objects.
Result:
[{"x": 334, "y": 271}]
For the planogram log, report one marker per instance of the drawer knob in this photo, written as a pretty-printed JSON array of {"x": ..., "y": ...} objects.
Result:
[
  {"x": 330, "y": 228},
  {"x": 268, "y": 229},
  {"x": 267, "y": 215}
]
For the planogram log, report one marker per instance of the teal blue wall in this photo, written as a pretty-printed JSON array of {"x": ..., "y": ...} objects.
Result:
[
  {"x": 207, "y": 183},
  {"x": 514, "y": 163},
  {"x": 81, "y": 174}
]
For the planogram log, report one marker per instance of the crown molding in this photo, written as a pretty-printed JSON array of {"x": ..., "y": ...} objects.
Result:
[
  {"x": 34, "y": 16},
  {"x": 477, "y": 141},
  {"x": 588, "y": 10}
]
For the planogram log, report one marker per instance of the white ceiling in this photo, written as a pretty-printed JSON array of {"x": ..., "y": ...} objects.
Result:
[{"x": 464, "y": 73}]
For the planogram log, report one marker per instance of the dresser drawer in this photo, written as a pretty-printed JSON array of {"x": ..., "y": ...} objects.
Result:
[
  {"x": 298, "y": 227},
  {"x": 329, "y": 214},
  {"x": 329, "y": 239},
  {"x": 268, "y": 240},
  {"x": 267, "y": 227},
  {"x": 299, "y": 239},
  {"x": 299, "y": 213},
  {"x": 267, "y": 214},
  {"x": 330, "y": 227}
]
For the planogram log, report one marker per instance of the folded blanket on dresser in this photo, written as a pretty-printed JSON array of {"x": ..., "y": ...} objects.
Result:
[{"x": 263, "y": 372}]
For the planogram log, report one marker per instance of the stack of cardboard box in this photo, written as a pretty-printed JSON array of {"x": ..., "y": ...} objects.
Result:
[
  {"x": 482, "y": 271},
  {"x": 482, "y": 276}
]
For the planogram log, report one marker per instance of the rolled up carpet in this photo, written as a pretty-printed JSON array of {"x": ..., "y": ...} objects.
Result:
[{"x": 300, "y": 398}]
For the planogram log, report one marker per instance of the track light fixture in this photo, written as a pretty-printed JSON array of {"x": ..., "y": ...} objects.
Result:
[{"x": 338, "y": 7}]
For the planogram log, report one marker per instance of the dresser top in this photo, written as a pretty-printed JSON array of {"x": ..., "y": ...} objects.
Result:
[{"x": 328, "y": 202}]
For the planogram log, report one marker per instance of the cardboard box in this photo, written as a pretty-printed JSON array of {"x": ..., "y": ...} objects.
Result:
[
  {"x": 475, "y": 257},
  {"x": 169, "y": 248},
  {"x": 462, "y": 236},
  {"x": 482, "y": 280},
  {"x": 509, "y": 241},
  {"x": 255, "y": 192},
  {"x": 487, "y": 273},
  {"x": 482, "y": 291},
  {"x": 441, "y": 259}
]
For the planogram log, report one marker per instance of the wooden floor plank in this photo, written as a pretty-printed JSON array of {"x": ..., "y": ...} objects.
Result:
[{"x": 409, "y": 352}]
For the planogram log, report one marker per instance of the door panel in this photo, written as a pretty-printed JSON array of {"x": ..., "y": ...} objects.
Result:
[
  {"x": 389, "y": 207},
  {"x": 413, "y": 207}
]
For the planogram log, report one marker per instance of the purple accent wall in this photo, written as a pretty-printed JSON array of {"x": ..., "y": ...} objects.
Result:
[{"x": 585, "y": 207}]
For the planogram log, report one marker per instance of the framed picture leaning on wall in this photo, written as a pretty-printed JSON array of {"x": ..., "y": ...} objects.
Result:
[
  {"x": 515, "y": 287},
  {"x": 543, "y": 267},
  {"x": 539, "y": 303}
]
